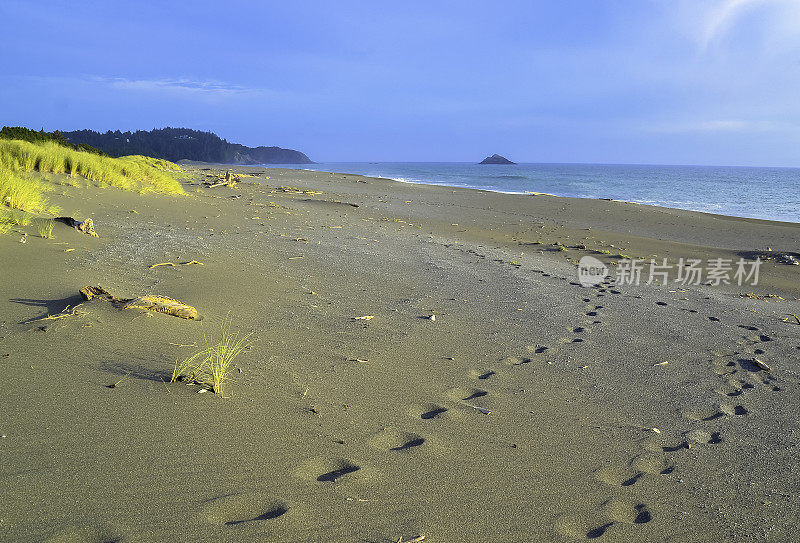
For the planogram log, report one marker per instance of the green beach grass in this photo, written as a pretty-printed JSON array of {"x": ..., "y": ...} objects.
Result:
[
  {"x": 211, "y": 366},
  {"x": 133, "y": 173}
]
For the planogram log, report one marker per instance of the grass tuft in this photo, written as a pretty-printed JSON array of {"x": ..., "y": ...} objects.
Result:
[
  {"x": 211, "y": 366},
  {"x": 45, "y": 227},
  {"x": 18, "y": 192}
]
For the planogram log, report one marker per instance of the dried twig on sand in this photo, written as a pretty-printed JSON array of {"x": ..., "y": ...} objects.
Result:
[
  {"x": 479, "y": 409},
  {"x": 66, "y": 313}
]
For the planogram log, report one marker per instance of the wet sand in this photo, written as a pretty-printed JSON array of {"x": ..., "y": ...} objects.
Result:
[{"x": 336, "y": 429}]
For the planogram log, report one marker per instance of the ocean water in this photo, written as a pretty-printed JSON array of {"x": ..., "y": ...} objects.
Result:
[{"x": 761, "y": 193}]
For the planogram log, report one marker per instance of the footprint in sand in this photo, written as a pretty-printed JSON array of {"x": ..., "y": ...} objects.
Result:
[
  {"x": 328, "y": 470},
  {"x": 466, "y": 394},
  {"x": 702, "y": 437},
  {"x": 582, "y": 528},
  {"x": 482, "y": 375},
  {"x": 724, "y": 367},
  {"x": 514, "y": 361},
  {"x": 391, "y": 440},
  {"x": 704, "y": 414},
  {"x": 429, "y": 411},
  {"x": 647, "y": 463},
  {"x": 694, "y": 438},
  {"x": 626, "y": 512},
  {"x": 595, "y": 526},
  {"x": 618, "y": 476},
  {"x": 239, "y": 509},
  {"x": 730, "y": 388},
  {"x": 537, "y": 349},
  {"x": 734, "y": 410},
  {"x": 653, "y": 463}
]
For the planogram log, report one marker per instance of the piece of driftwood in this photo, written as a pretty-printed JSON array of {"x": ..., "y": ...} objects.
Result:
[
  {"x": 87, "y": 226},
  {"x": 160, "y": 304}
]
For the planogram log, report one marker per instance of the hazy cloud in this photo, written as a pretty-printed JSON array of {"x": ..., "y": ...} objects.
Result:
[
  {"x": 717, "y": 125},
  {"x": 719, "y": 18},
  {"x": 182, "y": 86}
]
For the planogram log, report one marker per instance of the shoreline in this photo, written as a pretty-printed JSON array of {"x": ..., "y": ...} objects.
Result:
[
  {"x": 531, "y": 408},
  {"x": 524, "y": 192}
]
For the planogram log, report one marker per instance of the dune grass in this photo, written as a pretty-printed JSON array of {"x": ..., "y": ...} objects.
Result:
[
  {"x": 134, "y": 173},
  {"x": 211, "y": 366},
  {"x": 5, "y": 224},
  {"x": 18, "y": 192},
  {"x": 45, "y": 228}
]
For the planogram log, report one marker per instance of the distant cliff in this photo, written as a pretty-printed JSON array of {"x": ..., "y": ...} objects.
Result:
[
  {"x": 496, "y": 159},
  {"x": 175, "y": 144}
]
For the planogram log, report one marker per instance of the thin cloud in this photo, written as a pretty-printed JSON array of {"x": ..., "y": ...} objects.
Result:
[
  {"x": 717, "y": 125},
  {"x": 170, "y": 87},
  {"x": 724, "y": 15},
  {"x": 179, "y": 86}
]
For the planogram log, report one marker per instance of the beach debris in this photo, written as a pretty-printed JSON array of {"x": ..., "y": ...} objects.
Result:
[
  {"x": 193, "y": 262},
  {"x": 162, "y": 264},
  {"x": 87, "y": 226},
  {"x": 67, "y": 312},
  {"x": 791, "y": 315},
  {"x": 114, "y": 385},
  {"x": 227, "y": 180},
  {"x": 68, "y": 250},
  {"x": 479, "y": 409},
  {"x": 661, "y": 363},
  {"x": 296, "y": 190},
  {"x": 754, "y": 296},
  {"x": 760, "y": 364},
  {"x": 160, "y": 304},
  {"x": 414, "y": 540},
  {"x": 364, "y": 318}
]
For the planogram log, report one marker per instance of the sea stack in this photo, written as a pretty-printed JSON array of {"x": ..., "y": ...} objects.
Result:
[{"x": 496, "y": 159}]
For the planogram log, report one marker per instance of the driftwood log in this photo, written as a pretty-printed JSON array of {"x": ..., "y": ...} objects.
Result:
[
  {"x": 87, "y": 226},
  {"x": 161, "y": 304}
]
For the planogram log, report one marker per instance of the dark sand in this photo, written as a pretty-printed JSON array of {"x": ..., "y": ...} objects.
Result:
[{"x": 342, "y": 430}]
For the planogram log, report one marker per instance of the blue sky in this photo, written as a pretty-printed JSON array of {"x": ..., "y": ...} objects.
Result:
[{"x": 608, "y": 81}]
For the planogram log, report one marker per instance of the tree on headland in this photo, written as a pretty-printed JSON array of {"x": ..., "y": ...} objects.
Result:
[{"x": 176, "y": 144}]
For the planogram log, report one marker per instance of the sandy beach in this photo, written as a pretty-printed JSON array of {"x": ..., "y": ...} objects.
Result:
[{"x": 531, "y": 408}]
